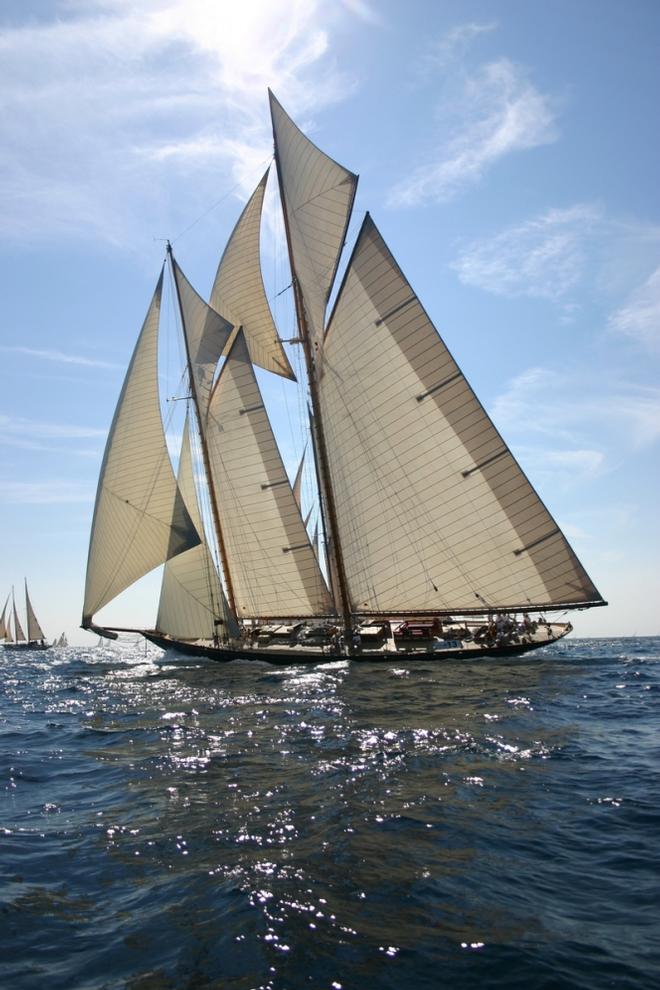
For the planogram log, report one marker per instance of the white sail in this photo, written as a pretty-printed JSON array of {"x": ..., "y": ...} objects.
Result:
[
  {"x": 206, "y": 333},
  {"x": 192, "y": 602},
  {"x": 34, "y": 630},
  {"x": 140, "y": 518},
  {"x": 434, "y": 512},
  {"x": 272, "y": 565},
  {"x": 238, "y": 291},
  {"x": 317, "y": 198},
  {"x": 3, "y": 624},
  {"x": 19, "y": 635}
]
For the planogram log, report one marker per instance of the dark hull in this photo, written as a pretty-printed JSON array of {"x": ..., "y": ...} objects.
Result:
[
  {"x": 290, "y": 656},
  {"x": 27, "y": 646}
]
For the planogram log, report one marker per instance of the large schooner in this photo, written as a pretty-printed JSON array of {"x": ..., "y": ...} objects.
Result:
[
  {"x": 17, "y": 640},
  {"x": 434, "y": 543}
]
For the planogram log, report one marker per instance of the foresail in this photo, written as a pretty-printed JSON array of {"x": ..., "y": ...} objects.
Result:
[
  {"x": 34, "y": 629},
  {"x": 3, "y": 623},
  {"x": 238, "y": 291},
  {"x": 19, "y": 635},
  {"x": 192, "y": 602},
  {"x": 317, "y": 195},
  {"x": 273, "y": 567},
  {"x": 206, "y": 333},
  {"x": 435, "y": 513},
  {"x": 297, "y": 482},
  {"x": 140, "y": 518}
]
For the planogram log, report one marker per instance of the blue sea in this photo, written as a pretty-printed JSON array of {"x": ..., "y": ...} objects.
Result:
[{"x": 177, "y": 825}]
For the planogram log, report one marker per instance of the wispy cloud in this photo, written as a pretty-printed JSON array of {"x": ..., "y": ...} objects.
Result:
[
  {"x": 452, "y": 45},
  {"x": 583, "y": 426},
  {"x": 639, "y": 318},
  {"x": 103, "y": 100},
  {"x": 502, "y": 112},
  {"x": 18, "y": 428},
  {"x": 542, "y": 257},
  {"x": 45, "y": 492},
  {"x": 60, "y": 357}
]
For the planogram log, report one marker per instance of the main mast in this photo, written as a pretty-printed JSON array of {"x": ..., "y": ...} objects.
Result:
[
  {"x": 328, "y": 507},
  {"x": 205, "y": 455}
]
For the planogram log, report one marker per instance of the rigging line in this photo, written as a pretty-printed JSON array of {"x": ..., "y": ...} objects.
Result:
[{"x": 230, "y": 192}]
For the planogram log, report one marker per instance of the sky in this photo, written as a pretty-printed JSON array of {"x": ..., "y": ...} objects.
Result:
[{"x": 508, "y": 151}]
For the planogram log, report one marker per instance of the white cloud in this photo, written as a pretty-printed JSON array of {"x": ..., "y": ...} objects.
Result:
[
  {"x": 640, "y": 317},
  {"x": 543, "y": 257},
  {"x": 598, "y": 422},
  {"x": 502, "y": 112},
  {"x": 60, "y": 357},
  {"x": 17, "y": 427},
  {"x": 452, "y": 46},
  {"x": 103, "y": 100},
  {"x": 45, "y": 492}
]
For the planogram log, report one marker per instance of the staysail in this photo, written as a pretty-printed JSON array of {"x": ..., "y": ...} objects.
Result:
[
  {"x": 3, "y": 624},
  {"x": 238, "y": 290},
  {"x": 140, "y": 517},
  {"x": 192, "y": 602},
  {"x": 206, "y": 334},
  {"x": 34, "y": 629},
  {"x": 19, "y": 635},
  {"x": 434, "y": 512},
  {"x": 317, "y": 199},
  {"x": 274, "y": 570}
]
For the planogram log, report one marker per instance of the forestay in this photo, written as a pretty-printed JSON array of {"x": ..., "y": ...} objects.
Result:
[
  {"x": 140, "y": 518},
  {"x": 273, "y": 568},
  {"x": 191, "y": 597},
  {"x": 238, "y": 290},
  {"x": 434, "y": 512},
  {"x": 317, "y": 198}
]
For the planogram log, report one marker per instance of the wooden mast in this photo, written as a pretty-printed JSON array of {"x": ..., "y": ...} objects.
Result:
[
  {"x": 205, "y": 454},
  {"x": 340, "y": 594}
]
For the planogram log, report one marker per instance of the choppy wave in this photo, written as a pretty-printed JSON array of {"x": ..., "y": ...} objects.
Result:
[{"x": 168, "y": 824}]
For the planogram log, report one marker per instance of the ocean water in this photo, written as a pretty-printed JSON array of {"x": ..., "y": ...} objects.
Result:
[{"x": 172, "y": 824}]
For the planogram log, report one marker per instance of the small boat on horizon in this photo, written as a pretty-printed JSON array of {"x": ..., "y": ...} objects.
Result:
[
  {"x": 434, "y": 544},
  {"x": 17, "y": 640}
]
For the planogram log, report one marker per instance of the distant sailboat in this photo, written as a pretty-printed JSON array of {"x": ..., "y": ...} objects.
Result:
[
  {"x": 35, "y": 639},
  {"x": 434, "y": 543}
]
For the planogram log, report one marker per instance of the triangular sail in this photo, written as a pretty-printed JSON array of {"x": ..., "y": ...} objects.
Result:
[
  {"x": 19, "y": 635},
  {"x": 34, "y": 630},
  {"x": 3, "y": 624},
  {"x": 238, "y": 291},
  {"x": 274, "y": 570},
  {"x": 435, "y": 514},
  {"x": 206, "y": 333},
  {"x": 317, "y": 198},
  {"x": 140, "y": 518},
  {"x": 192, "y": 603}
]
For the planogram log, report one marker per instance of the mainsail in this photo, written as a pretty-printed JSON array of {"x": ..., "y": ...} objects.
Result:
[
  {"x": 434, "y": 512},
  {"x": 317, "y": 199},
  {"x": 140, "y": 517},
  {"x": 238, "y": 291},
  {"x": 192, "y": 602},
  {"x": 35, "y": 631},
  {"x": 273, "y": 567}
]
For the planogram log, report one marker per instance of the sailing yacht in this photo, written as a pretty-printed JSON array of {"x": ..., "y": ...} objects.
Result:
[
  {"x": 35, "y": 639},
  {"x": 434, "y": 544}
]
